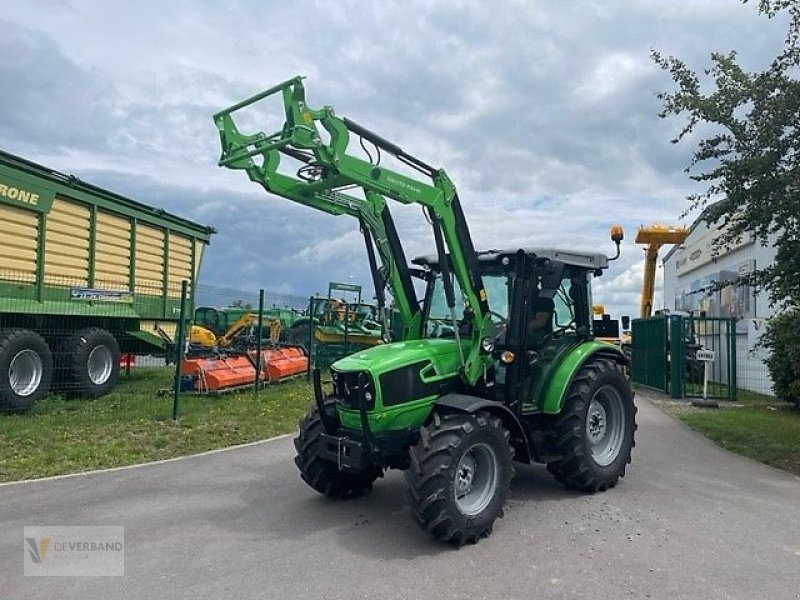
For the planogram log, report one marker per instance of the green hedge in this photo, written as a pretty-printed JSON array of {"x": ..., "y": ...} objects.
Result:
[{"x": 782, "y": 339}]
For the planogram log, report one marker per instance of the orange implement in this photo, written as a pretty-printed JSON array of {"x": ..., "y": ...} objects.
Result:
[
  {"x": 218, "y": 373},
  {"x": 281, "y": 363}
]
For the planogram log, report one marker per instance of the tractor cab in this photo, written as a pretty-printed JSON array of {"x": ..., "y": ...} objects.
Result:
[{"x": 540, "y": 303}]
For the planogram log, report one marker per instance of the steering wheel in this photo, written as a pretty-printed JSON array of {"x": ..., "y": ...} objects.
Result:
[
  {"x": 502, "y": 320},
  {"x": 499, "y": 328},
  {"x": 438, "y": 328}
]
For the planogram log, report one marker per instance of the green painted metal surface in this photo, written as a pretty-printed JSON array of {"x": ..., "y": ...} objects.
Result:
[
  {"x": 444, "y": 362},
  {"x": 23, "y": 192},
  {"x": 690, "y": 334},
  {"x": 676, "y": 356},
  {"x": 649, "y": 355},
  {"x": 559, "y": 379},
  {"x": 339, "y": 170}
]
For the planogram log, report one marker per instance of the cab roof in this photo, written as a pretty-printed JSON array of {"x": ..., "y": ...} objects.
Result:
[{"x": 585, "y": 260}]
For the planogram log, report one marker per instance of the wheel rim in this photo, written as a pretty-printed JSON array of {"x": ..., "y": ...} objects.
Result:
[
  {"x": 605, "y": 425},
  {"x": 476, "y": 479},
  {"x": 100, "y": 364},
  {"x": 25, "y": 372}
]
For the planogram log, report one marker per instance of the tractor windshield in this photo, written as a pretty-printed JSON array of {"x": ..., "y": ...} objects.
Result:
[{"x": 439, "y": 324}]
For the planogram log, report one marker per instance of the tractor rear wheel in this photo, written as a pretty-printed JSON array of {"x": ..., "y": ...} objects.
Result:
[
  {"x": 322, "y": 475},
  {"x": 26, "y": 368},
  {"x": 594, "y": 433},
  {"x": 459, "y": 476}
]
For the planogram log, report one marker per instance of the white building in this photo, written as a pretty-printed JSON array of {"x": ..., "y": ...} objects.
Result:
[{"x": 693, "y": 267}]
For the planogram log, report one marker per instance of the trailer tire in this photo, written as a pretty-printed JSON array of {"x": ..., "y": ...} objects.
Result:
[
  {"x": 460, "y": 472},
  {"x": 322, "y": 475},
  {"x": 89, "y": 363},
  {"x": 594, "y": 434},
  {"x": 26, "y": 369}
]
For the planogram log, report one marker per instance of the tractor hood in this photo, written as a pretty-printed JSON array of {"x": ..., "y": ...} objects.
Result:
[{"x": 443, "y": 353}]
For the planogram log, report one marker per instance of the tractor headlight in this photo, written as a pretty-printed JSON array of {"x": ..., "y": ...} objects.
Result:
[{"x": 507, "y": 357}]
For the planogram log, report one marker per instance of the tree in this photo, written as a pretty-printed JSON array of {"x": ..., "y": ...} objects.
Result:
[{"x": 749, "y": 154}]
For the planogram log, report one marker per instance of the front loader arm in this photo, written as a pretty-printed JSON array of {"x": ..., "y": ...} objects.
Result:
[
  {"x": 329, "y": 169},
  {"x": 372, "y": 213}
]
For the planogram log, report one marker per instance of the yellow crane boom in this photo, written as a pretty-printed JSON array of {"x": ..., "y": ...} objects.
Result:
[{"x": 653, "y": 237}]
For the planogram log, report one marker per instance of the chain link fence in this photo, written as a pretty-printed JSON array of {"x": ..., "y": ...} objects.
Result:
[{"x": 93, "y": 378}]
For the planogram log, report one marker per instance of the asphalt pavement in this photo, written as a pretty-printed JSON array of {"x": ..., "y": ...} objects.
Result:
[{"x": 689, "y": 521}]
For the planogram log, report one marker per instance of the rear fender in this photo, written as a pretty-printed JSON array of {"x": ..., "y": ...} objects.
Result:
[
  {"x": 472, "y": 404},
  {"x": 556, "y": 389}
]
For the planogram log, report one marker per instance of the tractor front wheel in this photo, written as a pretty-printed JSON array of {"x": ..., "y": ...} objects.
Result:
[
  {"x": 595, "y": 431},
  {"x": 321, "y": 474},
  {"x": 459, "y": 476}
]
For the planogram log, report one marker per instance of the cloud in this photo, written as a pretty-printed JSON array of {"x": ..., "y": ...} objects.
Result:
[{"x": 544, "y": 114}]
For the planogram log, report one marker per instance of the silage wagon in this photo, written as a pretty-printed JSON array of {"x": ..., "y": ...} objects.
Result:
[{"x": 85, "y": 275}]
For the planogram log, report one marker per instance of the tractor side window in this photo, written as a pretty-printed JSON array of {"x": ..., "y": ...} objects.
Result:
[
  {"x": 439, "y": 322},
  {"x": 564, "y": 308},
  {"x": 497, "y": 294}
]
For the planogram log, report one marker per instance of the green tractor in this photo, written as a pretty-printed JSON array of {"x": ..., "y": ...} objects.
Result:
[
  {"x": 498, "y": 364},
  {"x": 338, "y": 320}
]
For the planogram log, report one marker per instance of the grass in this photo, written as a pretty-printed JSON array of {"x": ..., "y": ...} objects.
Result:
[
  {"x": 756, "y": 426},
  {"x": 133, "y": 424}
]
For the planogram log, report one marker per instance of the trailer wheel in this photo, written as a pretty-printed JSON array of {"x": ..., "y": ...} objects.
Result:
[
  {"x": 594, "y": 433},
  {"x": 89, "y": 362},
  {"x": 322, "y": 475},
  {"x": 459, "y": 476},
  {"x": 26, "y": 368}
]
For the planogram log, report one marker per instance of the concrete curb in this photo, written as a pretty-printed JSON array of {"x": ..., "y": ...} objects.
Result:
[{"x": 146, "y": 464}]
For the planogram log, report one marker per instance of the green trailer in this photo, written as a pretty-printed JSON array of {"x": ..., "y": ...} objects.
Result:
[{"x": 85, "y": 276}]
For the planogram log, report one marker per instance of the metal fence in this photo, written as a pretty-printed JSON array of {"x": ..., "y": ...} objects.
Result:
[
  {"x": 113, "y": 352},
  {"x": 93, "y": 378},
  {"x": 686, "y": 356}
]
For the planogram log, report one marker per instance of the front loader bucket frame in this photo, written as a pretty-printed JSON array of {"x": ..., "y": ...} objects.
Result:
[
  {"x": 299, "y": 131},
  {"x": 329, "y": 170}
]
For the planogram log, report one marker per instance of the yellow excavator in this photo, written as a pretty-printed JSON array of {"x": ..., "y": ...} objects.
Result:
[
  {"x": 205, "y": 338},
  {"x": 653, "y": 237}
]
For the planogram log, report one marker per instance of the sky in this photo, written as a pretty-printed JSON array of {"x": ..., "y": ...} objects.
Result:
[{"x": 544, "y": 114}]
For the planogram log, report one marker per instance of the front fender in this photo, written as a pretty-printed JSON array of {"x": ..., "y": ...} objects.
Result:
[
  {"x": 472, "y": 404},
  {"x": 556, "y": 389}
]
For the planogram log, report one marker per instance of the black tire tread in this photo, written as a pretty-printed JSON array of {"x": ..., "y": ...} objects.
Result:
[
  {"x": 322, "y": 475},
  {"x": 71, "y": 369},
  {"x": 428, "y": 480},
  {"x": 9, "y": 400},
  {"x": 571, "y": 468}
]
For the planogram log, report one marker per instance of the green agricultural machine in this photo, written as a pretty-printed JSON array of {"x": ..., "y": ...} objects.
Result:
[
  {"x": 336, "y": 325},
  {"x": 498, "y": 364}
]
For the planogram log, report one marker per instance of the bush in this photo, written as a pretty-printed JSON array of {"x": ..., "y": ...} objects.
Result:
[{"x": 782, "y": 339}]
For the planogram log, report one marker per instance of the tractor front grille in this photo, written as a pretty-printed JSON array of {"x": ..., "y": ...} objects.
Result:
[{"x": 347, "y": 388}]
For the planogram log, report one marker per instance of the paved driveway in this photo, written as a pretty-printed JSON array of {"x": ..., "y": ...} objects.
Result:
[{"x": 689, "y": 521}]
